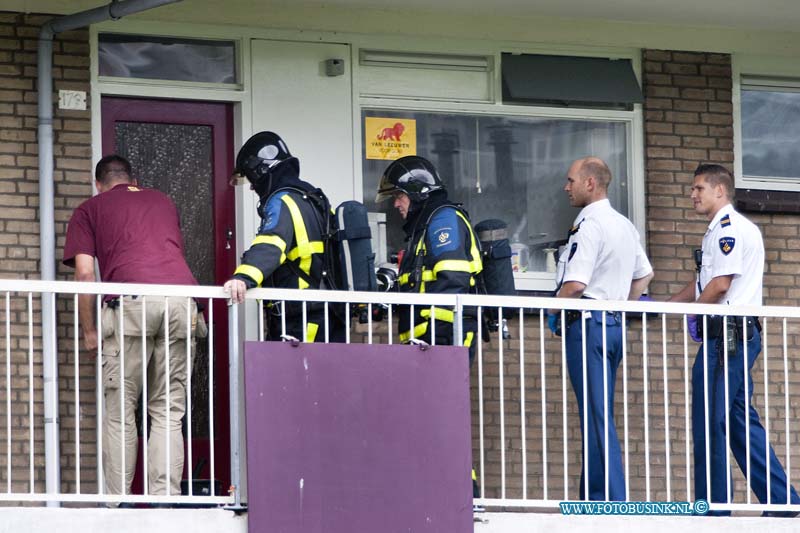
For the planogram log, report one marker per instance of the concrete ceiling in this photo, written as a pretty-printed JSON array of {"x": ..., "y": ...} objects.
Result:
[
  {"x": 774, "y": 15},
  {"x": 781, "y": 15}
]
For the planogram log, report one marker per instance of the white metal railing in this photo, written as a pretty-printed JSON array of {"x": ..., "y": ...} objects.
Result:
[
  {"x": 528, "y": 451},
  {"x": 22, "y": 301}
]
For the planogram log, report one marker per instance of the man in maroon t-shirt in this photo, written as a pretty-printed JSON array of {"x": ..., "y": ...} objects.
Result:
[{"x": 135, "y": 236}]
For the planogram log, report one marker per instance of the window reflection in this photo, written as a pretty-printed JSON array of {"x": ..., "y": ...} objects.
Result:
[
  {"x": 166, "y": 58},
  {"x": 511, "y": 168},
  {"x": 770, "y": 130}
]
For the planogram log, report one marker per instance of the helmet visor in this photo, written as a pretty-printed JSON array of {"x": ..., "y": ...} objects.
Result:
[{"x": 385, "y": 190}]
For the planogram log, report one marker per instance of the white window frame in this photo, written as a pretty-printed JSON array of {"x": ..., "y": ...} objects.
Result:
[
  {"x": 775, "y": 73},
  {"x": 528, "y": 281}
]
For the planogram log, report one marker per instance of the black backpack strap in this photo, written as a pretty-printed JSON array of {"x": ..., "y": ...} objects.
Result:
[{"x": 300, "y": 274}]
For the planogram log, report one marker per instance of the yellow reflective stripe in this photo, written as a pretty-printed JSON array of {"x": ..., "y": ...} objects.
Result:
[
  {"x": 453, "y": 265},
  {"x": 274, "y": 240},
  {"x": 300, "y": 234},
  {"x": 474, "y": 475},
  {"x": 421, "y": 243},
  {"x": 474, "y": 251},
  {"x": 403, "y": 279},
  {"x": 251, "y": 272},
  {"x": 445, "y": 315},
  {"x": 304, "y": 249},
  {"x": 419, "y": 331},
  {"x": 315, "y": 247},
  {"x": 300, "y": 237},
  {"x": 468, "y": 343},
  {"x": 311, "y": 331}
]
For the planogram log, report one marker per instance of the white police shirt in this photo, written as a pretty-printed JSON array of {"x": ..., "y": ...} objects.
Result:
[
  {"x": 603, "y": 253},
  {"x": 733, "y": 246}
]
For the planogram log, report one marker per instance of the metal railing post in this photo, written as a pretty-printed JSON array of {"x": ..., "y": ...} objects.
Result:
[
  {"x": 235, "y": 411},
  {"x": 458, "y": 322}
]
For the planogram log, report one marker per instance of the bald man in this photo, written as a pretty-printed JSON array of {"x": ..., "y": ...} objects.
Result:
[{"x": 603, "y": 260}]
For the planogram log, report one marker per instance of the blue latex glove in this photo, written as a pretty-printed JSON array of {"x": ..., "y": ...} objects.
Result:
[
  {"x": 693, "y": 325},
  {"x": 554, "y": 323}
]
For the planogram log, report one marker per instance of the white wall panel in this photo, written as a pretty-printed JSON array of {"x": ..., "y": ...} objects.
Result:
[{"x": 293, "y": 97}]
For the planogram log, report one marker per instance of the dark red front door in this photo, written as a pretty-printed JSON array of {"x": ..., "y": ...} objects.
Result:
[{"x": 185, "y": 149}]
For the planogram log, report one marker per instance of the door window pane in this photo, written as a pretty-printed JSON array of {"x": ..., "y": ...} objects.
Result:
[
  {"x": 166, "y": 58},
  {"x": 511, "y": 168},
  {"x": 770, "y": 133},
  {"x": 177, "y": 159}
]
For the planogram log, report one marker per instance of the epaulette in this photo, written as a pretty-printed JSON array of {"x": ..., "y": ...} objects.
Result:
[
  {"x": 725, "y": 221},
  {"x": 574, "y": 229}
]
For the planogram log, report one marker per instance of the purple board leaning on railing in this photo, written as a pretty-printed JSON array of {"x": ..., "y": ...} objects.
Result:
[{"x": 357, "y": 437}]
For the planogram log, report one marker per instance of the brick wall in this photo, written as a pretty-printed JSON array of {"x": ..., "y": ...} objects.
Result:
[
  {"x": 19, "y": 241},
  {"x": 688, "y": 120}
]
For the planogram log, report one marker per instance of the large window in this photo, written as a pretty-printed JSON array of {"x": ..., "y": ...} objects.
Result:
[
  {"x": 508, "y": 167},
  {"x": 770, "y": 122}
]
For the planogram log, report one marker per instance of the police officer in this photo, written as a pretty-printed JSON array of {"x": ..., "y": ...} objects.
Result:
[
  {"x": 442, "y": 255},
  {"x": 289, "y": 251},
  {"x": 731, "y": 272},
  {"x": 603, "y": 260}
]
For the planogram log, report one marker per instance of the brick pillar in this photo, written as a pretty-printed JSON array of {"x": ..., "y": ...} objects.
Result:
[
  {"x": 19, "y": 244},
  {"x": 688, "y": 120}
]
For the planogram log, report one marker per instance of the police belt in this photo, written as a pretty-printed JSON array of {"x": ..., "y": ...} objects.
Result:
[
  {"x": 715, "y": 324},
  {"x": 571, "y": 316}
]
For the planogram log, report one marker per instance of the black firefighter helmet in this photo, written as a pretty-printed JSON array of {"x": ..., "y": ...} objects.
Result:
[
  {"x": 261, "y": 157},
  {"x": 413, "y": 175}
]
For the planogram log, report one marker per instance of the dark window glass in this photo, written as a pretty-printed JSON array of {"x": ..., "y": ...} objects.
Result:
[{"x": 569, "y": 81}]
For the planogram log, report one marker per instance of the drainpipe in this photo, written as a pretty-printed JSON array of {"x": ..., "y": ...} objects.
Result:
[{"x": 47, "y": 232}]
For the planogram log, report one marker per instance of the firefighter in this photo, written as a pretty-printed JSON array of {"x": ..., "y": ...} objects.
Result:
[
  {"x": 289, "y": 251},
  {"x": 442, "y": 255}
]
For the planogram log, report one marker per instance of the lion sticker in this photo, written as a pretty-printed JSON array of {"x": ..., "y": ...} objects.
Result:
[{"x": 392, "y": 134}]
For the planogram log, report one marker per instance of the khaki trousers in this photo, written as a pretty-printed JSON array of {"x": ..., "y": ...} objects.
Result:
[{"x": 151, "y": 350}]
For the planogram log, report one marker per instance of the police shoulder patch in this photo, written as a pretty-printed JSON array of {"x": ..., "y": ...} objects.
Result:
[
  {"x": 272, "y": 213},
  {"x": 726, "y": 244},
  {"x": 572, "y": 250},
  {"x": 444, "y": 233},
  {"x": 442, "y": 240},
  {"x": 725, "y": 221}
]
